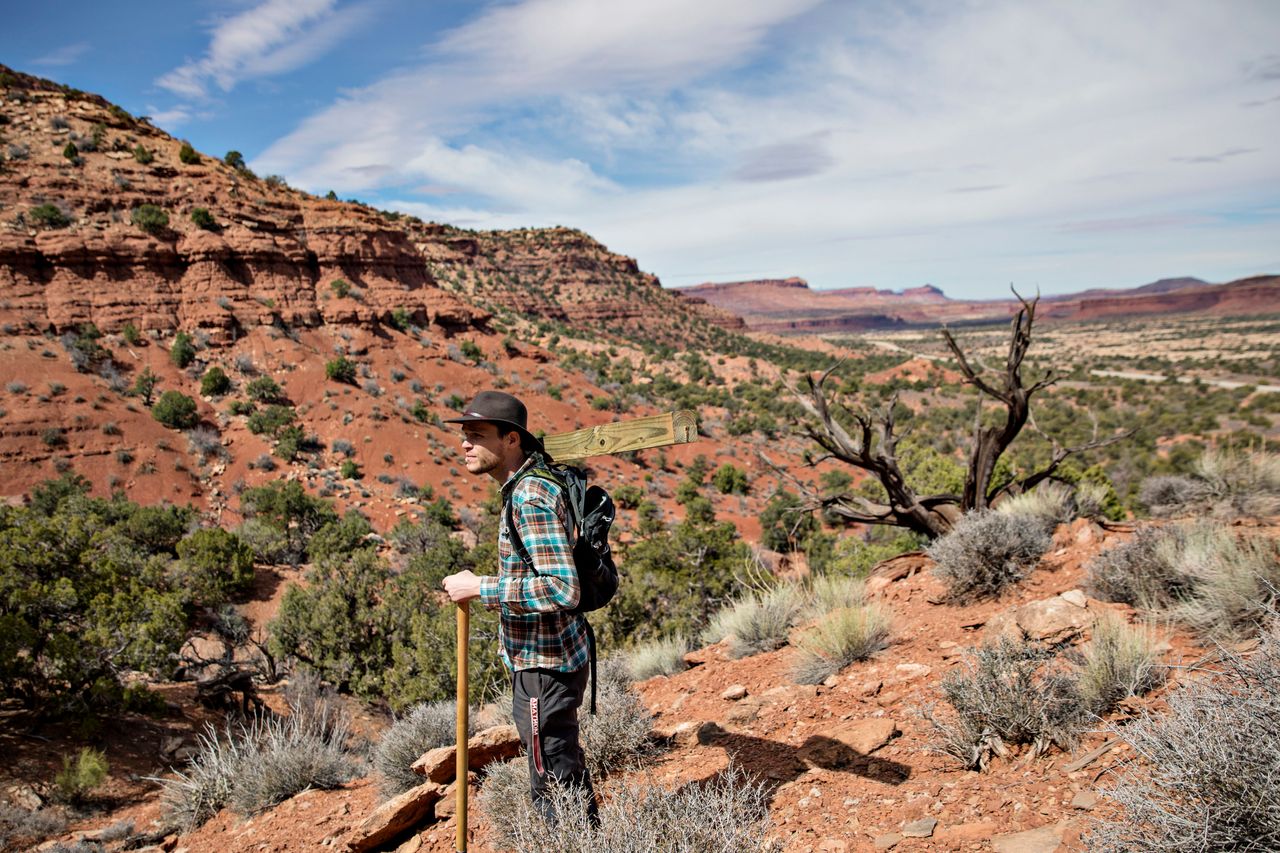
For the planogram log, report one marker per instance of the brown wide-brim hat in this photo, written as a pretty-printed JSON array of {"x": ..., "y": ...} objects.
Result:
[{"x": 495, "y": 407}]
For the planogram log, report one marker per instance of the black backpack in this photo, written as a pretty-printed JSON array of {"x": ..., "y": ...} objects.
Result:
[{"x": 592, "y": 514}]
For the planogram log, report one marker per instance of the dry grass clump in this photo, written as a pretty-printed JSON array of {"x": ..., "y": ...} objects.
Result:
[
  {"x": 1050, "y": 503},
  {"x": 727, "y": 814},
  {"x": 254, "y": 766},
  {"x": 758, "y": 622},
  {"x": 844, "y": 636},
  {"x": 985, "y": 552},
  {"x": 1119, "y": 661},
  {"x": 834, "y": 592},
  {"x": 20, "y": 828},
  {"x": 1203, "y": 575},
  {"x": 1224, "y": 483},
  {"x": 659, "y": 657},
  {"x": 1008, "y": 693},
  {"x": 1205, "y": 774},
  {"x": 424, "y": 727}
]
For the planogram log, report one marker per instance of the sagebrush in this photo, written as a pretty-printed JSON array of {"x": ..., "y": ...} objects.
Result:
[
  {"x": 727, "y": 814},
  {"x": 986, "y": 552},
  {"x": 424, "y": 727},
  {"x": 1204, "y": 774}
]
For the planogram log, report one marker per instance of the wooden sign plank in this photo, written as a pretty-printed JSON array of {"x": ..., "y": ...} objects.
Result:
[{"x": 679, "y": 427}]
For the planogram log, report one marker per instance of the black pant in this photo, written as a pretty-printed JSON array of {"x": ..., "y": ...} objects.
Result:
[{"x": 546, "y": 703}]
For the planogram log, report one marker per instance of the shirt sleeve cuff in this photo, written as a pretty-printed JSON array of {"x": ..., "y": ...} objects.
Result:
[{"x": 489, "y": 591}]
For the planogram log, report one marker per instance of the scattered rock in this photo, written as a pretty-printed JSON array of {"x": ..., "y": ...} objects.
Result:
[
  {"x": 922, "y": 828},
  {"x": 744, "y": 711},
  {"x": 495, "y": 744},
  {"x": 833, "y": 845},
  {"x": 710, "y": 732},
  {"x": 911, "y": 671},
  {"x": 866, "y": 736},
  {"x": 683, "y": 734},
  {"x": 396, "y": 816},
  {"x": 1085, "y": 800},
  {"x": 734, "y": 693},
  {"x": 24, "y": 797},
  {"x": 965, "y": 833},
  {"x": 887, "y": 842},
  {"x": 1052, "y": 620},
  {"x": 1076, "y": 597},
  {"x": 1046, "y": 839}
]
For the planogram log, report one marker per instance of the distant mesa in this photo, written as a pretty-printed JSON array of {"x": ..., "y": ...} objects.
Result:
[{"x": 789, "y": 305}]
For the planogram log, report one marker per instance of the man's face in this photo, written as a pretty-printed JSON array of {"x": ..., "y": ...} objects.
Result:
[{"x": 482, "y": 448}]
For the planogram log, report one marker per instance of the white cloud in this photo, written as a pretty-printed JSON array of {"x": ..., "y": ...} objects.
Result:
[
  {"x": 962, "y": 144},
  {"x": 66, "y": 55},
  {"x": 272, "y": 38}
]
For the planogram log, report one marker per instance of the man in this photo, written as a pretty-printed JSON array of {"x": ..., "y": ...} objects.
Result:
[{"x": 544, "y": 645}]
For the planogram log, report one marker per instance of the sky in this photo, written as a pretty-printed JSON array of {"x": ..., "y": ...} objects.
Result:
[{"x": 1052, "y": 146}]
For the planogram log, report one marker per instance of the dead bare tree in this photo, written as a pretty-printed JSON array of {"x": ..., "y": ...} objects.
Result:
[{"x": 872, "y": 445}]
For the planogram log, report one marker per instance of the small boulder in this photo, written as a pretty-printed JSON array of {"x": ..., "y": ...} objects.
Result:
[
  {"x": 396, "y": 817},
  {"x": 922, "y": 828},
  {"x": 1045, "y": 839},
  {"x": 498, "y": 743},
  {"x": 734, "y": 692}
]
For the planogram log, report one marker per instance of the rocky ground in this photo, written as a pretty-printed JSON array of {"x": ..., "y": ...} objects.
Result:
[{"x": 847, "y": 763}]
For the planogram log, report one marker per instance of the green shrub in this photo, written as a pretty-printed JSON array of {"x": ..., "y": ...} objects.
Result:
[
  {"x": 80, "y": 775},
  {"x": 264, "y": 389},
  {"x": 149, "y": 218},
  {"x": 350, "y": 470},
  {"x": 242, "y": 407},
  {"x": 843, "y": 636},
  {"x": 175, "y": 410},
  {"x": 400, "y": 320},
  {"x": 235, "y": 160},
  {"x": 270, "y": 421},
  {"x": 628, "y": 496},
  {"x": 341, "y": 288},
  {"x": 420, "y": 412},
  {"x": 183, "y": 352},
  {"x": 203, "y": 219},
  {"x": 131, "y": 335},
  {"x": 289, "y": 442},
  {"x": 215, "y": 382},
  {"x": 215, "y": 564},
  {"x": 290, "y": 511},
  {"x": 472, "y": 350},
  {"x": 89, "y": 597},
  {"x": 48, "y": 216},
  {"x": 730, "y": 480},
  {"x": 985, "y": 552},
  {"x": 71, "y": 152},
  {"x": 145, "y": 385},
  {"x": 187, "y": 154},
  {"x": 341, "y": 369},
  {"x": 341, "y": 538},
  {"x": 142, "y": 155}
]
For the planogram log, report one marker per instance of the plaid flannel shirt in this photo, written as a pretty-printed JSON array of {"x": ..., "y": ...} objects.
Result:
[{"x": 535, "y": 626}]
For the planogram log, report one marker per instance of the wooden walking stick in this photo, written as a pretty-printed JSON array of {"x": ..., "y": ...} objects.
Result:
[{"x": 461, "y": 766}]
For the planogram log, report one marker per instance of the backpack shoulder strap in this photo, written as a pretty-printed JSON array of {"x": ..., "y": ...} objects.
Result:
[{"x": 546, "y": 473}]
